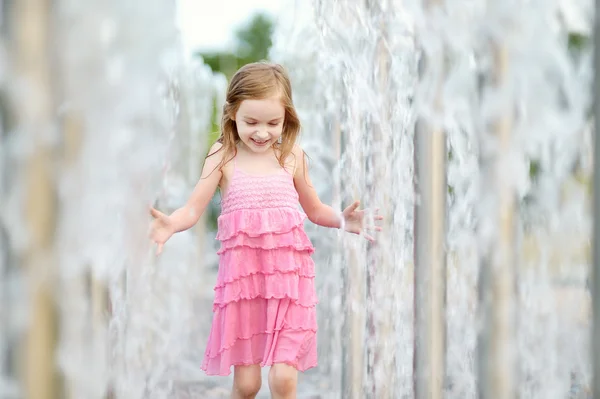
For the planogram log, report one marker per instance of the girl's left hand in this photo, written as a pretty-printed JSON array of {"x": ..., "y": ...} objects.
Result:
[{"x": 354, "y": 221}]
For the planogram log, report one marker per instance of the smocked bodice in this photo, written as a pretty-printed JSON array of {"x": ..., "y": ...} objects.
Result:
[{"x": 259, "y": 192}]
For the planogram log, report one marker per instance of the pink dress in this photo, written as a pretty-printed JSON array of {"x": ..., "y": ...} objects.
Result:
[{"x": 264, "y": 307}]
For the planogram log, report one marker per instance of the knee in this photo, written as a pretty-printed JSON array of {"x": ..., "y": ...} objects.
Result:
[
  {"x": 247, "y": 385},
  {"x": 283, "y": 379}
]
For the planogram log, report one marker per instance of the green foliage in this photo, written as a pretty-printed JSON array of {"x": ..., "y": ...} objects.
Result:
[
  {"x": 253, "y": 42},
  {"x": 578, "y": 41},
  {"x": 226, "y": 63},
  {"x": 254, "y": 39},
  {"x": 535, "y": 168},
  {"x": 214, "y": 134}
]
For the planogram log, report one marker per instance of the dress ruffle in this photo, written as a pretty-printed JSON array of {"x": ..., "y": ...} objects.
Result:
[
  {"x": 239, "y": 262},
  {"x": 265, "y": 297},
  {"x": 256, "y": 222},
  {"x": 278, "y": 286},
  {"x": 278, "y": 332},
  {"x": 266, "y": 312},
  {"x": 295, "y": 239}
]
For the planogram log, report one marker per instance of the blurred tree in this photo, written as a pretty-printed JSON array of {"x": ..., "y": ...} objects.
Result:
[{"x": 253, "y": 41}]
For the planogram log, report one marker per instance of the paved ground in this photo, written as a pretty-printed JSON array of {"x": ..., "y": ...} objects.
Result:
[{"x": 220, "y": 388}]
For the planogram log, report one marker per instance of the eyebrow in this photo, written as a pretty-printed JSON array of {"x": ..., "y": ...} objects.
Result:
[{"x": 254, "y": 119}]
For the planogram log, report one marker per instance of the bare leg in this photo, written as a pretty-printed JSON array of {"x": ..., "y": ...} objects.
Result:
[
  {"x": 283, "y": 381},
  {"x": 246, "y": 382}
]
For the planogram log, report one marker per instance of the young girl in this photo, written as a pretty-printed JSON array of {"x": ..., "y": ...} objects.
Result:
[{"x": 264, "y": 307}]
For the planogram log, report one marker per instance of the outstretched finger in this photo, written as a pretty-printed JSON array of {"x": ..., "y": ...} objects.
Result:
[
  {"x": 373, "y": 213},
  {"x": 369, "y": 237},
  {"x": 352, "y": 207},
  {"x": 156, "y": 213},
  {"x": 159, "y": 249}
]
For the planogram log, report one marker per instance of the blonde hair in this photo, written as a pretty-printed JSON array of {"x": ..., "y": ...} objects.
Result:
[{"x": 256, "y": 81}]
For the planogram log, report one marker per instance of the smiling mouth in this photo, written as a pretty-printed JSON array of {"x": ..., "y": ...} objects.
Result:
[{"x": 260, "y": 143}]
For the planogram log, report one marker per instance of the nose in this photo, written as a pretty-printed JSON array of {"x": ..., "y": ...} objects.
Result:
[{"x": 261, "y": 134}]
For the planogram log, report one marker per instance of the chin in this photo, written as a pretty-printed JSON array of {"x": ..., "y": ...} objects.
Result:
[{"x": 252, "y": 146}]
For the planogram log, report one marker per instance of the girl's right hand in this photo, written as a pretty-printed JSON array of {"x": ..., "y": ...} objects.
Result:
[{"x": 161, "y": 229}]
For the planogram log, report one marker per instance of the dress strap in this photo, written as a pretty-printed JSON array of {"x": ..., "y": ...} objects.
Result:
[{"x": 236, "y": 170}]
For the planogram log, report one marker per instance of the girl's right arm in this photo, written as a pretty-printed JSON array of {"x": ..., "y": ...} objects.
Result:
[{"x": 188, "y": 215}]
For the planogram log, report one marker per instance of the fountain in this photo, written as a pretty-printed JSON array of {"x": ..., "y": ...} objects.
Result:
[
  {"x": 465, "y": 123},
  {"x": 108, "y": 124},
  {"x": 500, "y": 106}
]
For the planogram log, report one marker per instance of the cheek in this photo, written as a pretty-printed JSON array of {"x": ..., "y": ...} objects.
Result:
[
  {"x": 244, "y": 129},
  {"x": 277, "y": 130}
]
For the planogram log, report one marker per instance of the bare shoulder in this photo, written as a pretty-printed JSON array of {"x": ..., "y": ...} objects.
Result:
[
  {"x": 296, "y": 158},
  {"x": 297, "y": 151},
  {"x": 214, "y": 159},
  {"x": 216, "y": 150}
]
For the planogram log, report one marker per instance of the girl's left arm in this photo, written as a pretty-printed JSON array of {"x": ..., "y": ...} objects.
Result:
[{"x": 316, "y": 211}]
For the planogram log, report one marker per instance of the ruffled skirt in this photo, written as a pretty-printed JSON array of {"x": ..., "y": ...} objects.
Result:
[{"x": 264, "y": 308}]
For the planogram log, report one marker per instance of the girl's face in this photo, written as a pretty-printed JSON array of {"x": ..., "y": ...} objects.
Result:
[{"x": 260, "y": 123}]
